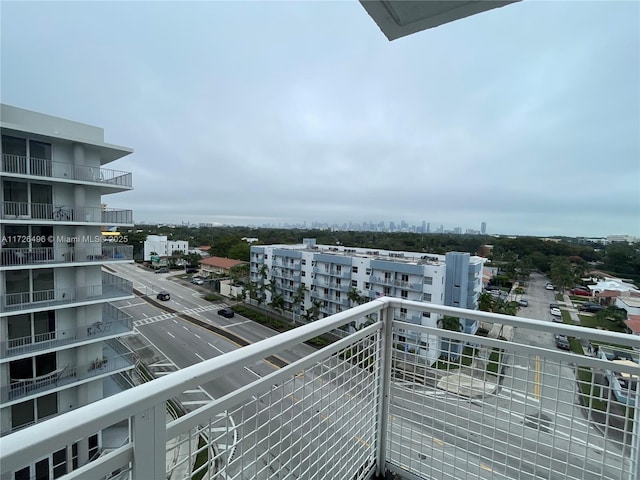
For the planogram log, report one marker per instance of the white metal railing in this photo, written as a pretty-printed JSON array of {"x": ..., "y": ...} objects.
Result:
[
  {"x": 19, "y": 164},
  {"x": 375, "y": 401},
  {"x": 111, "y": 287},
  {"x": 114, "y": 322},
  {"x": 61, "y": 254},
  {"x": 110, "y": 361},
  {"x": 64, "y": 213}
]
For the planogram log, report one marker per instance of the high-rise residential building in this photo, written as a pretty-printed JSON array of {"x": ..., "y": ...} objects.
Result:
[
  {"x": 59, "y": 346},
  {"x": 483, "y": 228},
  {"x": 321, "y": 280}
]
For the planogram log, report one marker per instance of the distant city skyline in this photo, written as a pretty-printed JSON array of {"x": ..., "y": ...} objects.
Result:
[{"x": 385, "y": 226}]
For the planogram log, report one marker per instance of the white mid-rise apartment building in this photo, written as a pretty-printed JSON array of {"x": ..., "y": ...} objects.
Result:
[
  {"x": 59, "y": 346},
  {"x": 159, "y": 245},
  {"x": 334, "y": 278}
]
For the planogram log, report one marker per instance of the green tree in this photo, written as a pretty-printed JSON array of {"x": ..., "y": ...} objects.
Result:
[
  {"x": 277, "y": 303},
  {"x": 355, "y": 296},
  {"x": 240, "y": 251},
  {"x": 562, "y": 274},
  {"x": 485, "y": 302},
  {"x": 298, "y": 297}
]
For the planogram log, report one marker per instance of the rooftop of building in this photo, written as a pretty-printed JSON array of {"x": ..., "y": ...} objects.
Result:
[
  {"x": 46, "y": 127},
  {"x": 414, "y": 258}
]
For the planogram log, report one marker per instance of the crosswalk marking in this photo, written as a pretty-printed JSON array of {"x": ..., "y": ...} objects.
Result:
[{"x": 166, "y": 315}]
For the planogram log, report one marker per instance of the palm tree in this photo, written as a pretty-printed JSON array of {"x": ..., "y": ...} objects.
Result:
[
  {"x": 355, "y": 296},
  {"x": 298, "y": 297},
  {"x": 277, "y": 303}
]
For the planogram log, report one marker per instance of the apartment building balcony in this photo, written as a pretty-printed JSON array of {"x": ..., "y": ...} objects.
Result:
[
  {"x": 415, "y": 286},
  {"x": 97, "y": 253},
  {"x": 115, "y": 358},
  {"x": 46, "y": 213},
  {"x": 368, "y": 405},
  {"x": 114, "y": 323},
  {"x": 30, "y": 167},
  {"x": 382, "y": 280},
  {"x": 111, "y": 288}
]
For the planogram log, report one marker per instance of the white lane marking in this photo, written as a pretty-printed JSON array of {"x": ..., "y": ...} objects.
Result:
[
  {"x": 213, "y": 346},
  {"x": 236, "y": 324},
  {"x": 145, "y": 315},
  {"x": 196, "y": 402},
  {"x": 200, "y": 357},
  {"x": 171, "y": 334},
  {"x": 163, "y": 364},
  {"x": 175, "y": 321},
  {"x": 197, "y": 335},
  {"x": 132, "y": 305}
]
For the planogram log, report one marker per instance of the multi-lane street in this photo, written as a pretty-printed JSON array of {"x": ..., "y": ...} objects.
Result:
[{"x": 530, "y": 427}]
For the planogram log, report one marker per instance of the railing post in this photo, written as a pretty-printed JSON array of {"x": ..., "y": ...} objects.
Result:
[
  {"x": 150, "y": 443},
  {"x": 384, "y": 377},
  {"x": 635, "y": 445}
]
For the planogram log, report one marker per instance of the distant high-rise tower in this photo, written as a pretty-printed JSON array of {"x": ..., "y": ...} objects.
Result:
[
  {"x": 424, "y": 226},
  {"x": 483, "y": 227}
]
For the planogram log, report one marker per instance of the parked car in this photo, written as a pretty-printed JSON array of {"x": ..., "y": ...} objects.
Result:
[
  {"x": 226, "y": 312},
  {"x": 550, "y": 286},
  {"x": 582, "y": 291},
  {"x": 164, "y": 296},
  {"x": 590, "y": 307},
  {"x": 191, "y": 270},
  {"x": 197, "y": 281},
  {"x": 523, "y": 303},
  {"x": 562, "y": 342},
  {"x": 162, "y": 270},
  {"x": 555, "y": 309}
]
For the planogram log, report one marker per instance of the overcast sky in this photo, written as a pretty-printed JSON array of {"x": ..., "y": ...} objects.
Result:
[{"x": 526, "y": 117}]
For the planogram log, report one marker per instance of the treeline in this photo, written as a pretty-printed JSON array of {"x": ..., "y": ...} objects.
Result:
[{"x": 617, "y": 258}]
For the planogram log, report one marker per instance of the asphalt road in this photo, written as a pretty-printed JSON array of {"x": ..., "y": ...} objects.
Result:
[{"x": 523, "y": 431}]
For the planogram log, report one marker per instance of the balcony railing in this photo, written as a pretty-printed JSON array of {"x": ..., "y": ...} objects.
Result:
[
  {"x": 111, "y": 287},
  {"x": 115, "y": 357},
  {"x": 114, "y": 322},
  {"x": 40, "y": 167},
  {"x": 65, "y": 254},
  {"x": 64, "y": 213},
  {"x": 384, "y": 398}
]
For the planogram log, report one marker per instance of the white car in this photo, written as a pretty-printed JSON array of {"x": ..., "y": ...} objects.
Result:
[
  {"x": 555, "y": 310},
  {"x": 550, "y": 286},
  {"x": 197, "y": 281}
]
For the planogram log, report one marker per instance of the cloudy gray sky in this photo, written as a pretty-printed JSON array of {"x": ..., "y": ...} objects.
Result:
[{"x": 526, "y": 117}]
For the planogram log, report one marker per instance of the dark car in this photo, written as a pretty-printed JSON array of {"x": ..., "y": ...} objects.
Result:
[
  {"x": 226, "y": 312},
  {"x": 191, "y": 270},
  {"x": 162, "y": 270},
  {"x": 163, "y": 295},
  {"x": 590, "y": 307},
  {"x": 562, "y": 342}
]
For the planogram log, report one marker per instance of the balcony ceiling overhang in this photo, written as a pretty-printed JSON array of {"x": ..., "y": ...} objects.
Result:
[{"x": 399, "y": 18}]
